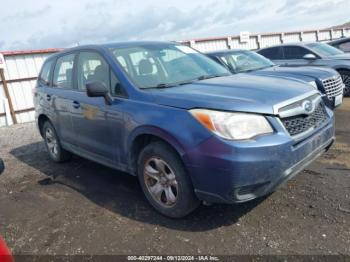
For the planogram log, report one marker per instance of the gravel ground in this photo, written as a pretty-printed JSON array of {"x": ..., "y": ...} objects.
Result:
[{"x": 84, "y": 208}]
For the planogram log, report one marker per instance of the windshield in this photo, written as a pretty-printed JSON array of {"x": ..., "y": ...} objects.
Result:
[
  {"x": 165, "y": 65},
  {"x": 243, "y": 61},
  {"x": 324, "y": 49}
]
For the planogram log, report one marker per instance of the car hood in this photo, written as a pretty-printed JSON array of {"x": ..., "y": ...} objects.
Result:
[
  {"x": 339, "y": 57},
  {"x": 241, "y": 92},
  {"x": 306, "y": 73}
]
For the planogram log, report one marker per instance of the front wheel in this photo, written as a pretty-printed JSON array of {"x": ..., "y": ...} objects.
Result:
[
  {"x": 165, "y": 182},
  {"x": 345, "y": 75}
]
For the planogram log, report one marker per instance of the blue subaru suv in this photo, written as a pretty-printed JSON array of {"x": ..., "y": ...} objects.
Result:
[{"x": 188, "y": 129}]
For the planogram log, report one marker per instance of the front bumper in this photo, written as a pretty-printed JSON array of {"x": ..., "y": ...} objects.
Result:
[{"x": 231, "y": 172}]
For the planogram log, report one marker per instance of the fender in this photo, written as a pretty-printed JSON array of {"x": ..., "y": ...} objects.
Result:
[{"x": 158, "y": 132}]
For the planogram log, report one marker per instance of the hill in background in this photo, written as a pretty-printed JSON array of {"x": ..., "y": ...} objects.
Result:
[{"x": 340, "y": 26}]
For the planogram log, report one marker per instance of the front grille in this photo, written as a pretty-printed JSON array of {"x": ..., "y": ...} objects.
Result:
[
  {"x": 296, "y": 125},
  {"x": 333, "y": 86}
]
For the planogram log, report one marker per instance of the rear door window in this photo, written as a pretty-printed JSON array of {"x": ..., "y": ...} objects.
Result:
[
  {"x": 295, "y": 52},
  {"x": 273, "y": 53},
  {"x": 63, "y": 74}
]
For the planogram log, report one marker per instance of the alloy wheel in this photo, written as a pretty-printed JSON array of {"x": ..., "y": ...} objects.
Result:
[
  {"x": 161, "y": 182},
  {"x": 51, "y": 141}
]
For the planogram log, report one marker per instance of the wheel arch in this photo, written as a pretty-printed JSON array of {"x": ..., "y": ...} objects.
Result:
[
  {"x": 342, "y": 68},
  {"x": 146, "y": 135},
  {"x": 42, "y": 118}
]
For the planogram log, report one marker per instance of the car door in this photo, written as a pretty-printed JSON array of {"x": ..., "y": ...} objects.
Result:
[
  {"x": 59, "y": 95},
  {"x": 98, "y": 126},
  {"x": 294, "y": 56}
]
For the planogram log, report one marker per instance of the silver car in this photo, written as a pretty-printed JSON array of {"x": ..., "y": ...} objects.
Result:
[{"x": 311, "y": 54}]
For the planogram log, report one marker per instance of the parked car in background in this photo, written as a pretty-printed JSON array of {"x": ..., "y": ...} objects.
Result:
[
  {"x": 311, "y": 54},
  {"x": 244, "y": 61},
  {"x": 342, "y": 44},
  {"x": 2, "y": 166},
  {"x": 183, "y": 124}
]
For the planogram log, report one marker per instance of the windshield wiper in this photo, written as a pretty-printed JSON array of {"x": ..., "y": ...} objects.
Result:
[
  {"x": 204, "y": 77},
  {"x": 164, "y": 85}
]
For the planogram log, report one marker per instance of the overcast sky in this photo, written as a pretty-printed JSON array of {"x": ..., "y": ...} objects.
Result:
[{"x": 33, "y": 24}]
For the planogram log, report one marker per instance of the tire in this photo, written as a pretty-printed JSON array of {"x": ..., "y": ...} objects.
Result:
[
  {"x": 164, "y": 181},
  {"x": 345, "y": 75},
  {"x": 53, "y": 144}
]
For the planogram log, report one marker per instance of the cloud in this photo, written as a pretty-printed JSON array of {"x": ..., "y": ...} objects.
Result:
[
  {"x": 27, "y": 14},
  {"x": 65, "y": 23}
]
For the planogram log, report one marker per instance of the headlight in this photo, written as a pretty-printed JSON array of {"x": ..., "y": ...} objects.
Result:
[
  {"x": 313, "y": 83},
  {"x": 233, "y": 126}
]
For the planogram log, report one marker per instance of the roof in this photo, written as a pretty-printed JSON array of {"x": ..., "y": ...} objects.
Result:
[
  {"x": 289, "y": 44},
  {"x": 55, "y": 50},
  {"x": 340, "y": 41},
  {"x": 136, "y": 43},
  {"x": 225, "y": 51}
]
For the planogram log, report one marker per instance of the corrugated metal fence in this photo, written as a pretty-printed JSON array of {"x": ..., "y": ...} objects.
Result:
[
  {"x": 22, "y": 68},
  {"x": 257, "y": 41},
  {"x": 20, "y": 72}
]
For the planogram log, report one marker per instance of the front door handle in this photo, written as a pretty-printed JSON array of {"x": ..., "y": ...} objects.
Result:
[
  {"x": 76, "y": 104},
  {"x": 48, "y": 97}
]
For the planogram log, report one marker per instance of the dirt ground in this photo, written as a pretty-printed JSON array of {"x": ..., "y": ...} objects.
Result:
[{"x": 84, "y": 208}]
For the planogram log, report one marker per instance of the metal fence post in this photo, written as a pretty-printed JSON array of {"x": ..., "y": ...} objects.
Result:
[{"x": 7, "y": 94}]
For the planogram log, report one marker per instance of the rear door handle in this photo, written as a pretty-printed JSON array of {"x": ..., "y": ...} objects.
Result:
[
  {"x": 76, "y": 104},
  {"x": 48, "y": 97}
]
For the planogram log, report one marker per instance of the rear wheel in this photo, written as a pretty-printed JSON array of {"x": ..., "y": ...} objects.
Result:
[
  {"x": 53, "y": 144},
  {"x": 165, "y": 182},
  {"x": 345, "y": 75}
]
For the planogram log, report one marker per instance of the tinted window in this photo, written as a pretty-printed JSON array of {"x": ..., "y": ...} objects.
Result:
[
  {"x": 63, "y": 75},
  {"x": 273, "y": 53},
  {"x": 295, "y": 52},
  {"x": 44, "y": 77},
  {"x": 345, "y": 47}
]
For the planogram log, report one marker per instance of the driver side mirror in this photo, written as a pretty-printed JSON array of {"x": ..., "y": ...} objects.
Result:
[
  {"x": 309, "y": 57},
  {"x": 98, "y": 89}
]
